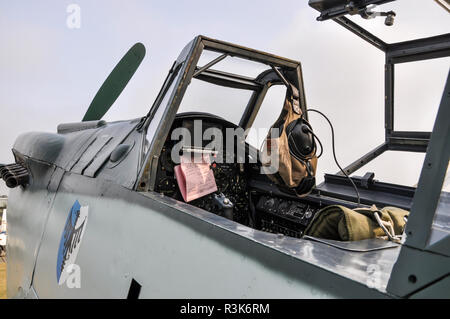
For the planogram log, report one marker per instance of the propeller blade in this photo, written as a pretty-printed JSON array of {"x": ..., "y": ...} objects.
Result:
[{"x": 115, "y": 83}]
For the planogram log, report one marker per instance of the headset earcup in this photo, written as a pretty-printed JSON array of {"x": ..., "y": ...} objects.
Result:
[{"x": 301, "y": 141}]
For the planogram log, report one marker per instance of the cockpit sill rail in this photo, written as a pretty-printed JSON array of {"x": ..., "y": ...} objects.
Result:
[{"x": 348, "y": 260}]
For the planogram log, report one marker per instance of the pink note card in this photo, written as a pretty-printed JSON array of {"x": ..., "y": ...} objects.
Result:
[{"x": 195, "y": 179}]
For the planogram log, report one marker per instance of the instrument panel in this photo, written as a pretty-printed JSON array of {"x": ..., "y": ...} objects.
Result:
[
  {"x": 231, "y": 179},
  {"x": 279, "y": 215}
]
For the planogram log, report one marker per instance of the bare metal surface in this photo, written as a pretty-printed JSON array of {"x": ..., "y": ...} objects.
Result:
[
  {"x": 356, "y": 246},
  {"x": 175, "y": 250},
  {"x": 349, "y": 264}
]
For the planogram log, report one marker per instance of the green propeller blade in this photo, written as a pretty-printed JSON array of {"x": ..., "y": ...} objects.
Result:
[{"x": 115, "y": 83}]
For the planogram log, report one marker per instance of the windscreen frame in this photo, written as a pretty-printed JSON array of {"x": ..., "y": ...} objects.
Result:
[{"x": 188, "y": 61}]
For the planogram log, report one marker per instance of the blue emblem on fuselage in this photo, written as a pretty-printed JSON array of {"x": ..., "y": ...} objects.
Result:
[{"x": 70, "y": 238}]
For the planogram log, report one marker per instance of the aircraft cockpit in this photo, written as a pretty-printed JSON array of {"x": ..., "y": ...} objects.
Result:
[
  {"x": 243, "y": 194},
  {"x": 223, "y": 124}
]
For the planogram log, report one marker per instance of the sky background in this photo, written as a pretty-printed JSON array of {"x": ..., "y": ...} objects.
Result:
[{"x": 49, "y": 73}]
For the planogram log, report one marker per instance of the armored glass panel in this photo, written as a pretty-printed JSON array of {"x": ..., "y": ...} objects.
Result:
[
  {"x": 228, "y": 103},
  {"x": 268, "y": 113},
  {"x": 232, "y": 64}
]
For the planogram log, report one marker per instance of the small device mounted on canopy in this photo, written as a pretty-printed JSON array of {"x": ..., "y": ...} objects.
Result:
[{"x": 331, "y": 9}]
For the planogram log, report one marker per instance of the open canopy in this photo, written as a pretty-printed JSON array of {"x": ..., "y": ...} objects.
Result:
[{"x": 427, "y": 227}]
